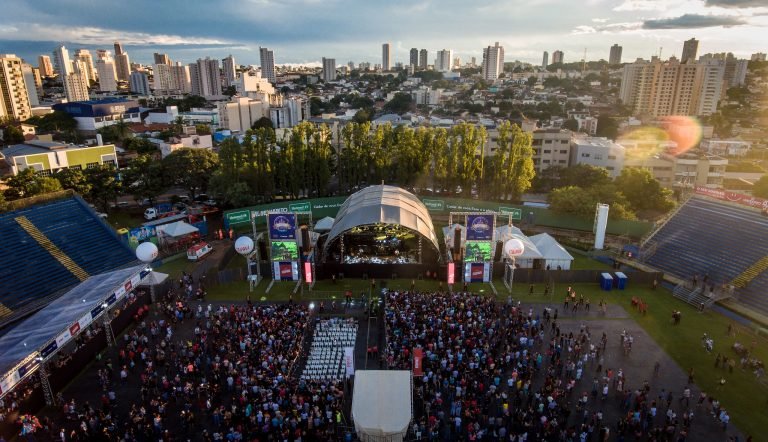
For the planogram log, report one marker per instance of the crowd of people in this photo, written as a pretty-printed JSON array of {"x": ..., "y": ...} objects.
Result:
[{"x": 498, "y": 372}]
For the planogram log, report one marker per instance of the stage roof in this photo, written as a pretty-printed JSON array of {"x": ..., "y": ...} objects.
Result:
[{"x": 384, "y": 205}]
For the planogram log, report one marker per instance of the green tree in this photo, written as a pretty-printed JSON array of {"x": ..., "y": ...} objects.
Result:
[
  {"x": 229, "y": 91},
  {"x": 22, "y": 185},
  {"x": 512, "y": 166},
  {"x": 12, "y": 134},
  {"x": 121, "y": 129},
  {"x": 571, "y": 125},
  {"x": 140, "y": 145},
  {"x": 399, "y": 104},
  {"x": 760, "y": 187},
  {"x": 263, "y": 122},
  {"x": 3, "y": 203},
  {"x": 584, "y": 175},
  {"x": 531, "y": 82},
  {"x": 642, "y": 191},
  {"x": 191, "y": 169},
  {"x": 46, "y": 184},
  {"x": 56, "y": 121},
  {"x": 73, "y": 179},
  {"x": 362, "y": 116},
  {"x": 145, "y": 178},
  {"x": 104, "y": 185},
  {"x": 580, "y": 201},
  {"x": 203, "y": 129},
  {"x": 607, "y": 127}
]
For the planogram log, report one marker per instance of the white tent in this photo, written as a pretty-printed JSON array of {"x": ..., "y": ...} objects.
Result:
[
  {"x": 177, "y": 229},
  {"x": 154, "y": 278},
  {"x": 554, "y": 254},
  {"x": 382, "y": 405},
  {"x": 324, "y": 224}
]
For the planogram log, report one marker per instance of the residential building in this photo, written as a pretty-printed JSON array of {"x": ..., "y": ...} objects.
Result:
[
  {"x": 414, "y": 57},
  {"x": 758, "y": 56},
  {"x": 615, "y": 55},
  {"x": 423, "y": 57},
  {"x": 443, "y": 60},
  {"x": 551, "y": 147},
  {"x": 558, "y": 57},
  {"x": 122, "y": 63},
  {"x": 659, "y": 88},
  {"x": 252, "y": 84},
  {"x": 230, "y": 70},
  {"x": 164, "y": 83},
  {"x": 76, "y": 87},
  {"x": 105, "y": 69},
  {"x": 95, "y": 114},
  {"x": 427, "y": 96},
  {"x": 545, "y": 60},
  {"x": 386, "y": 57},
  {"x": 329, "y": 69},
  {"x": 14, "y": 95},
  {"x": 493, "y": 62},
  {"x": 181, "y": 79},
  {"x": 85, "y": 57},
  {"x": 61, "y": 61},
  {"x": 33, "y": 83},
  {"x": 45, "y": 66},
  {"x": 184, "y": 141},
  {"x": 139, "y": 83},
  {"x": 239, "y": 114},
  {"x": 268, "y": 65},
  {"x": 598, "y": 152},
  {"x": 289, "y": 113},
  {"x": 47, "y": 157},
  {"x": 735, "y": 70},
  {"x": 162, "y": 58},
  {"x": 694, "y": 168},
  {"x": 204, "y": 76},
  {"x": 690, "y": 49},
  {"x": 734, "y": 148}
]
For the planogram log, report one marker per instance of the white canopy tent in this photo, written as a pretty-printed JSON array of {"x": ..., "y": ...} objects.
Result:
[
  {"x": 324, "y": 224},
  {"x": 531, "y": 252},
  {"x": 382, "y": 405},
  {"x": 555, "y": 256},
  {"x": 154, "y": 278},
  {"x": 177, "y": 229}
]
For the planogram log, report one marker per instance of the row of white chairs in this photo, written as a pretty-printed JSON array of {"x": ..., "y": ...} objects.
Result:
[{"x": 326, "y": 354}]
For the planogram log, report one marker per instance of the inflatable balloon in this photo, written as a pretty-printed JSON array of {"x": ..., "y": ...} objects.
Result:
[
  {"x": 514, "y": 247},
  {"x": 244, "y": 245},
  {"x": 146, "y": 252}
]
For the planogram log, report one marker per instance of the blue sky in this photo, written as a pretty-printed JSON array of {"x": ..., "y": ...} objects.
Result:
[{"x": 303, "y": 31}]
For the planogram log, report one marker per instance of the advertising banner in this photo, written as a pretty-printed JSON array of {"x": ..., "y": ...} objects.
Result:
[
  {"x": 418, "y": 354},
  {"x": 349, "y": 361},
  {"x": 451, "y": 273},
  {"x": 480, "y": 227},
  {"x": 308, "y": 272},
  {"x": 477, "y": 272},
  {"x": 739, "y": 198},
  {"x": 282, "y": 226},
  {"x": 286, "y": 271},
  {"x": 141, "y": 234}
]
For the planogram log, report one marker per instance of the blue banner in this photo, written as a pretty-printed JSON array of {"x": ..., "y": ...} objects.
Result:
[
  {"x": 141, "y": 234},
  {"x": 480, "y": 227},
  {"x": 49, "y": 349},
  {"x": 282, "y": 226}
]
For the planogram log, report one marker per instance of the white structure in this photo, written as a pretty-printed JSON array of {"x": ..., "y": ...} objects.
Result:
[
  {"x": 185, "y": 142},
  {"x": 167, "y": 117},
  {"x": 61, "y": 61},
  {"x": 45, "y": 66},
  {"x": 690, "y": 48},
  {"x": 601, "y": 224},
  {"x": 551, "y": 147},
  {"x": 443, "y": 60},
  {"x": 329, "y": 69},
  {"x": 76, "y": 87},
  {"x": 84, "y": 56},
  {"x": 557, "y": 57},
  {"x": 427, "y": 95},
  {"x": 204, "y": 76},
  {"x": 139, "y": 83},
  {"x": 239, "y": 114},
  {"x": 555, "y": 256},
  {"x": 268, "y": 64},
  {"x": 253, "y": 85},
  {"x": 163, "y": 79},
  {"x": 289, "y": 113},
  {"x": 382, "y": 405},
  {"x": 599, "y": 152},
  {"x": 14, "y": 93},
  {"x": 230, "y": 70},
  {"x": 386, "y": 57},
  {"x": 181, "y": 80},
  {"x": 493, "y": 62},
  {"x": 122, "y": 63},
  {"x": 33, "y": 83},
  {"x": 105, "y": 69},
  {"x": 737, "y": 148},
  {"x": 615, "y": 55}
]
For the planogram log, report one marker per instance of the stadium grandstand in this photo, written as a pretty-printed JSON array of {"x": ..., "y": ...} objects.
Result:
[
  {"x": 50, "y": 245},
  {"x": 719, "y": 245}
]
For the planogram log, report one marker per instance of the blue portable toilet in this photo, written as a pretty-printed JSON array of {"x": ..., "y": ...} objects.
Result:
[
  {"x": 606, "y": 281},
  {"x": 621, "y": 280}
]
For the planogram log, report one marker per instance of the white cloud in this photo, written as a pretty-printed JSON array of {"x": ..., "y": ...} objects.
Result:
[
  {"x": 88, "y": 35},
  {"x": 600, "y": 20},
  {"x": 584, "y": 29}
]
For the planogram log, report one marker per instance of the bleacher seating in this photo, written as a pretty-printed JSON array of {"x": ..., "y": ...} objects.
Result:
[
  {"x": 29, "y": 272},
  {"x": 718, "y": 240}
]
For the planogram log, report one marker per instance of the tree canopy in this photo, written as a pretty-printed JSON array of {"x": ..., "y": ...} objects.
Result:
[{"x": 760, "y": 188}]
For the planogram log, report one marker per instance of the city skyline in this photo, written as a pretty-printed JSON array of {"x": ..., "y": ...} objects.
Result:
[{"x": 641, "y": 27}]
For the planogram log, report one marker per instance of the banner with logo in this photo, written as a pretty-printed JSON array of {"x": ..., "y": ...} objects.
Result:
[
  {"x": 282, "y": 226},
  {"x": 349, "y": 361},
  {"x": 451, "y": 273},
  {"x": 477, "y": 272},
  {"x": 480, "y": 227},
  {"x": 418, "y": 355},
  {"x": 308, "y": 272},
  {"x": 738, "y": 198}
]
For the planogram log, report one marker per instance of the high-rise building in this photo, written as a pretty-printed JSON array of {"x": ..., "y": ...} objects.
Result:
[
  {"x": 122, "y": 63},
  {"x": 757, "y": 56},
  {"x": 33, "y": 82},
  {"x": 84, "y": 56},
  {"x": 386, "y": 57},
  {"x": 329, "y": 69},
  {"x": 493, "y": 62},
  {"x": 268, "y": 65},
  {"x": 75, "y": 87},
  {"x": 181, "y": 80},
  {"x": 423, "y": 57},
  {"x": 557, "y": 57},
  {"x": 45, "y": 66},
  {"x": 443, "y": 60},
  {"x": 164, "y": 83},
  {"x": 139, "y": 83},
  {"x": 162, "y": 58},
  {"x": 545, "y": 60},
  {"x": 230, "y": 70},
  {"x": 690, "y": 49},
  {"x": 61, "y": 61},
  {"x": 14, "y": 95},
  {"x": 414, "y": 57},
  {"x": 735, "y": 69},
  {"x": 659, "y": 88},
  {"x": 615, "y": 56},
  {"x": 204, "y": 76},
  {"x": 105, "y": 69}
]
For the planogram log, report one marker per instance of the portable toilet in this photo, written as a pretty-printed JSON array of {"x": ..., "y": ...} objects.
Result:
[
  {"x": 621, "y": 280},
  {"x": 606, "y": 281}
]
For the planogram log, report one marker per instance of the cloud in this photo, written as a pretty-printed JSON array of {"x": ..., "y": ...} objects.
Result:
[
  {"x": 583, "y": 29},
  {"x": 737, "y": 3},
  {"x": 692, "y": 21},
  {"x": 609, "y": 28},
  {"x": 643, "y": 5},
  {"x": 600, "y": 20}
]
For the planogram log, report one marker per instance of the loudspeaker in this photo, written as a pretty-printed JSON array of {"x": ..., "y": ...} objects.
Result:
[
  {"x": 263, "y": 251},
  {"x": 305, "y": 243},
  {"x": 457, "y": 241},
  {"x": 497, "y": 255}
]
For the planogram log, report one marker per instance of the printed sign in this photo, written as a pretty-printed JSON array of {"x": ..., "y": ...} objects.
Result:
[
  {"x": 476, "y": 271},
  {"x": 516, "y": 213},
  {"x": 74, "y": 328},
  {"x": 282, "y": 226},
  {"x": 451, "y": 273},
  {"x": 308, "y": 272},
  {"x": 739, "y": 198},
  {"x": 418, "y": 354},
  {"x": 305, "y": 206},
  {"x": 349, "y": 361},
  {"x": 285, "y": 271},
  {"x": 49, "y": 349},
  {"x": 239, "y": 217},
  {"x": 434, "y": 205},
  {"x": 479, "y": 227},
  {"x": 141, "y": 234}
]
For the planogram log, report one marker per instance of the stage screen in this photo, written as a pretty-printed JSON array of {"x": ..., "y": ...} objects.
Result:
[
  {"x": 285, "y": 251},
  {"x": 282, "y": 226},
  {"x": 478, "y": 251},
  {"x": 480, "y": 227}
]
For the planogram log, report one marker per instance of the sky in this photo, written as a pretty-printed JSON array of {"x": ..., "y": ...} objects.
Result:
[{"x": 304, "y": 31}]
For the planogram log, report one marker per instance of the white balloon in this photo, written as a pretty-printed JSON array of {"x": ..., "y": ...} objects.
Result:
[
  {"x": 514, "y": 247},
  {"x": 146, "y": 251},
  {"x": 244, "y": 245}
]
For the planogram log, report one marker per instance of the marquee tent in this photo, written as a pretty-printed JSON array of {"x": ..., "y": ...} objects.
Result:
[
  {"x": 177, "y": 229},
  {"x": 555, "y": 256},
  {"x": 324, "y": 224},
  {"x": 382, "y": 405},
  {"x": 530, "y": 253}
]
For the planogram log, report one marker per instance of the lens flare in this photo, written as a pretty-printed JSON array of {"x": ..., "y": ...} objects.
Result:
[{"x": 685, "y": 131}]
